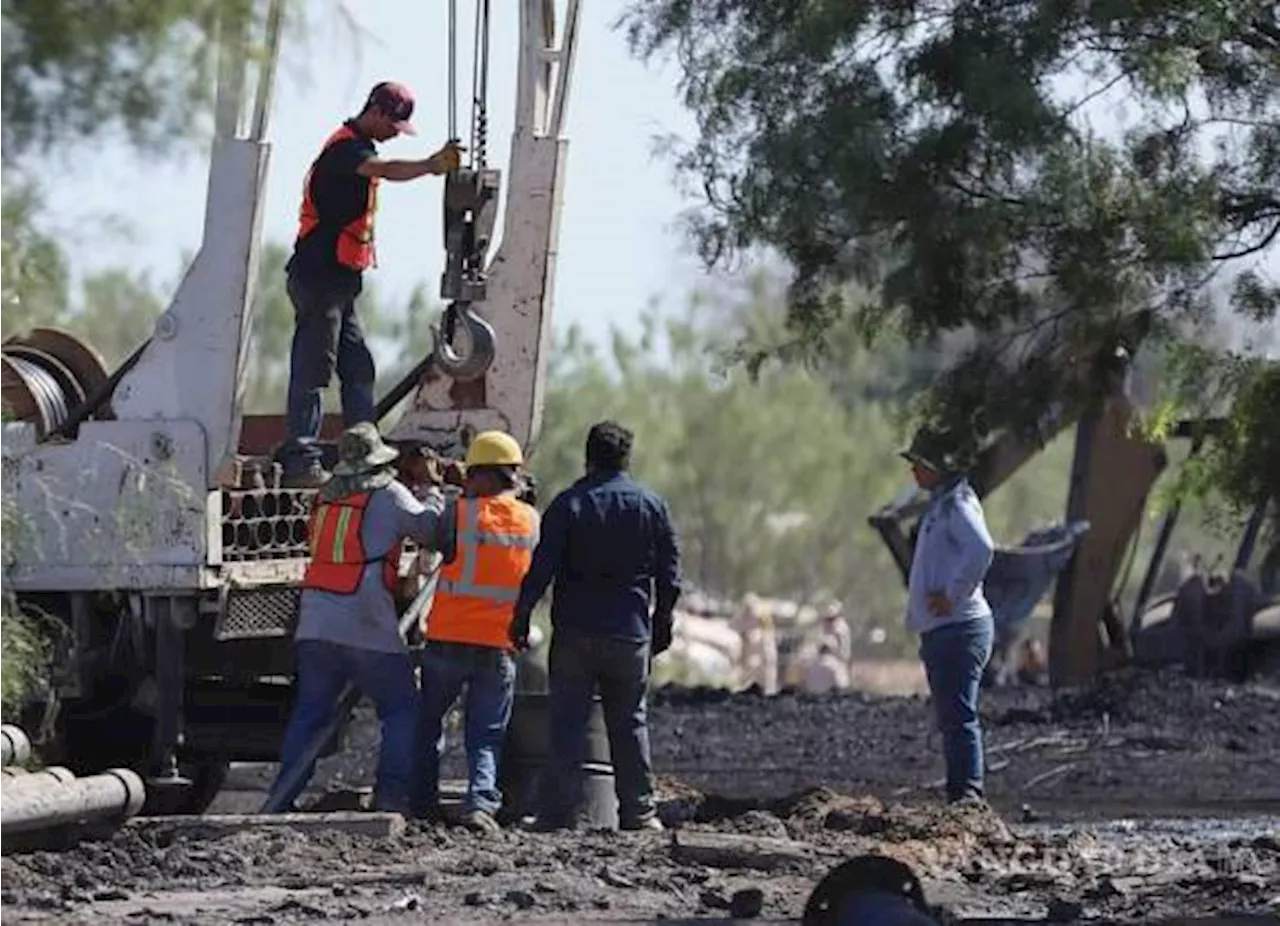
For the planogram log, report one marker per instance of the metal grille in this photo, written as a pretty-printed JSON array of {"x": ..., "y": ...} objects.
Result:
[{"x": 257, "y": 613}]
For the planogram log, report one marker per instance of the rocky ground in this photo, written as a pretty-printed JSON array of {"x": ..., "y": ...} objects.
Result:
[{"x": 765, "y": 795}]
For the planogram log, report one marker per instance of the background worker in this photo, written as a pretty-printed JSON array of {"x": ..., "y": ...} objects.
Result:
[
  {"x": 826, "y": 672},
  {"x": 946, "y": 606},
  {"x": 759, "y": 660},
  {"x": 334, "y": 247},
  {"x": 468, "y": 630},
  {"x": 608, "y": 544},
  {"x": 348, "y": 626},
  {"x": 833, "y": 631}
]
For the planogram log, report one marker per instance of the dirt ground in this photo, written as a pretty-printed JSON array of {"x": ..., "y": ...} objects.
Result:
[{"x": 1084, "y": 784}]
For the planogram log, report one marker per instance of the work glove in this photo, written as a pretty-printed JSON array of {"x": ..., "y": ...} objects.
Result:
[
  {"x": 518, "y": 632},
  {"x": 448, "y": 158},
  {"x": 661, "y": 636}
]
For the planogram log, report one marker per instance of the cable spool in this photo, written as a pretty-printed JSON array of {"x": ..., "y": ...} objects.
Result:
[{"x": 48, "y": 374}]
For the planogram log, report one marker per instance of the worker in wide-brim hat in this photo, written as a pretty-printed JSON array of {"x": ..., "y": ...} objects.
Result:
[
  {"x": 946, "y": 605},
  {"x": 348, "y": 625},
  {"x": 467, "y": 633}
]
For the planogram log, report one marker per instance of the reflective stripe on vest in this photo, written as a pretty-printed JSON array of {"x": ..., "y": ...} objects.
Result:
[
  {"x": 355, "y": 248},
  {"x": 476, "y": 591},
  {"x": 337, "y": 550}
]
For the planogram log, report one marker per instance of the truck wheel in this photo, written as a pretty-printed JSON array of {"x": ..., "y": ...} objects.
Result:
[
  {"x": 206, "y": 775},
  {"x": 107, "y": 732}
]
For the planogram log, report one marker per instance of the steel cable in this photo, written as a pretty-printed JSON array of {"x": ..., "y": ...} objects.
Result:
[
  {"x": 453, "y": 69},
  {"x": 50, "y": 401}
]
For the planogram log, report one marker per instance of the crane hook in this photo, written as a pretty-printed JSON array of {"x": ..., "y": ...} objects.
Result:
[{"x": 480, "y": 339}]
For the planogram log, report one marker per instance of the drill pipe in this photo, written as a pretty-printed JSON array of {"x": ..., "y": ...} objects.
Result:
[
  {"x": 52, "y": 777},
  {"x": 298, "y": 532},
  {"x": 263, "y": 534},
  {"x": 281, "y": 531},
  {"x": 268, "y": 504},
  {"x": 15, "y": 748},
  {"x": 116, "y": 794}
]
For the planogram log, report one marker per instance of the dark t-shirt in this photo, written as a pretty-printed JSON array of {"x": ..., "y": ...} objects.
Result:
[{"x": 340, "y": 196}]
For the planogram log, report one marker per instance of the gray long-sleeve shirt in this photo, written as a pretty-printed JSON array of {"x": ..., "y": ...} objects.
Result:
[
  {"x": 367, "y": 619},
  {"x": 952, "y": 555}
]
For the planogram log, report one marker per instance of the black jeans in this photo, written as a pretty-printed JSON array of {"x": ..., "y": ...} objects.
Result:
[
  {"x": 579, "y": 665},
  {"x": 327, "y": 338}
]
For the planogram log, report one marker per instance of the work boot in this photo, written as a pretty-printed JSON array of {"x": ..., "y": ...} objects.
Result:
[
  {"x": 649, "y": 824},
  {"x": 480, "y": 821},
  {"x": 312, "y": 477}
]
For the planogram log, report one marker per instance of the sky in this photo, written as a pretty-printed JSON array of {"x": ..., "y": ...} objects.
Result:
[{"x": 619, "y": 240}]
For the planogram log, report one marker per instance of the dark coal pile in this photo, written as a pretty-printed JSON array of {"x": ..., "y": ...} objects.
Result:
[{"x": 1132, "y": 742}]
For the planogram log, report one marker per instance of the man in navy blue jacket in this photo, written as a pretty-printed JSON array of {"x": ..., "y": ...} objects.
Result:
[{"x": 608, "y": 545}]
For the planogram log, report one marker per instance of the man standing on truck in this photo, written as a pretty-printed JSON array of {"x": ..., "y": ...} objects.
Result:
[
  {"x": 334, "y": 247},
  {"x": 468, "y": 631},
  {"x": 608, "y": 544},
  {"x": 348, "y": 626},
  {"x": 947, "y": 607}
]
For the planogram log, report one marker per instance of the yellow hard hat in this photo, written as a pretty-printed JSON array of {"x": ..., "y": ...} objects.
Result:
[{"x": 494, "y": 448}]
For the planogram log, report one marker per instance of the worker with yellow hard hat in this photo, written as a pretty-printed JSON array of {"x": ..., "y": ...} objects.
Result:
[{"x": 467, "y": 639}]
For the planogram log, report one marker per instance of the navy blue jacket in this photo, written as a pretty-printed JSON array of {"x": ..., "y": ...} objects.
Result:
[{"x": 608, "y": 544}]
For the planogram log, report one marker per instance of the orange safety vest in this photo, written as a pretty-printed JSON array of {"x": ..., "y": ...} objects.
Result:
[
  {"x": 477, "y": 593},
  {"x": 337, "y": 552},
  {"x": 355, "y": 240}
]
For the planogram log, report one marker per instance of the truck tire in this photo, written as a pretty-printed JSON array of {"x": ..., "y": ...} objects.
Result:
[{"x": 108, "y": 732}]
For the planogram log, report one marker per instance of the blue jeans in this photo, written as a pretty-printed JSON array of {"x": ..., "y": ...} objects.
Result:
[
  {"x": 578, "y": 666},
  {"x": 489, "y": 676},
  {"x": 327, "y": 338},
  {"x": 323, "y": 669},
  {"x": 954, "y": 656}
]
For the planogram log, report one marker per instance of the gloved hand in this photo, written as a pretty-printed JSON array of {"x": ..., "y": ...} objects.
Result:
[
  {"x": 661, "y": 635},
  {"x": 518, "y": 632},
  {"x": 448, "y": 158}
]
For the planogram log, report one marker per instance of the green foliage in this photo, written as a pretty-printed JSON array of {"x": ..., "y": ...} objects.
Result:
[
  {"x": 22, "y": 656},
  {"x": 77, "y": 70},
  {"x": 952, "y": 160},
  {"x": 33, "y": 278},
  {"x": 770, "y": 479}
]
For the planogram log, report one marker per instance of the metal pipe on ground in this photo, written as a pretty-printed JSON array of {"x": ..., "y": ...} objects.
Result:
[
  {"x": 115, "y": 795},
  {"x": 54, "y": 776},
  {"x": 15, "y": 747}
]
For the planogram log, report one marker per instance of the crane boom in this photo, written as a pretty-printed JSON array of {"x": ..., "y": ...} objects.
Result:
[{"x": 446, "y": 411}]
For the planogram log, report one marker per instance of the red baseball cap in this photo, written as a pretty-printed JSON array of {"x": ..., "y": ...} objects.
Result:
[{"x": 396, "y": 101}]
